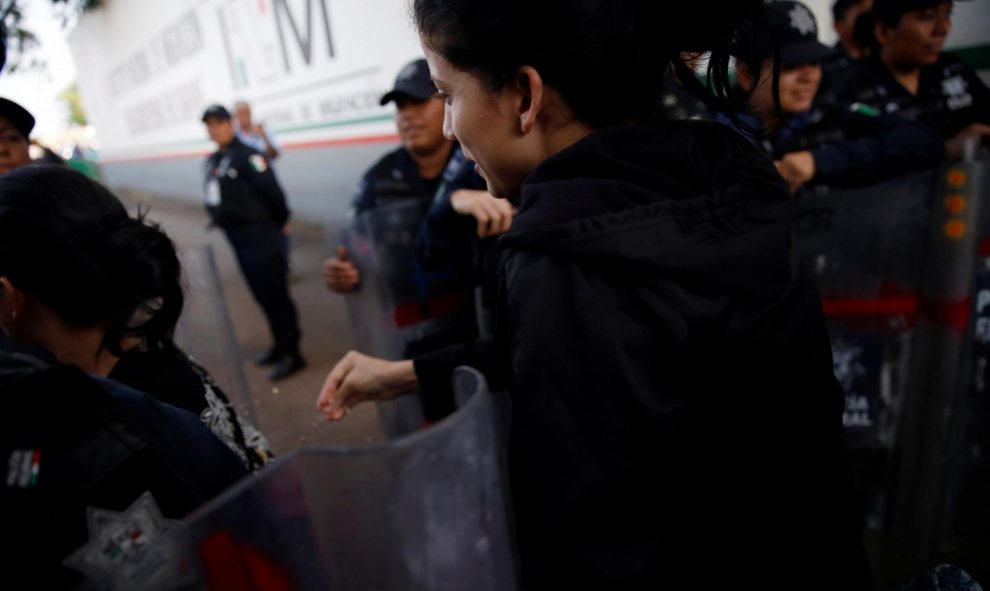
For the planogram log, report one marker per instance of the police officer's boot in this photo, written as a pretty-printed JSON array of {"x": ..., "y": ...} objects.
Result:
[
  {"x": 272, "y": 355},
  {"x": 289, "y": 364}
]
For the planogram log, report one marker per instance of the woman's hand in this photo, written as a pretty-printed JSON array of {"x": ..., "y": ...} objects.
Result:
[
  {"x": 358, "y": 377},
  {"x": 494, "y": 215}
]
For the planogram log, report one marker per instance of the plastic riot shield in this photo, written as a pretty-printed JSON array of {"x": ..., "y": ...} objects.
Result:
[
  {"x": 399, "y": 310},
  {"x": 428, "y": 511},
  {"x": 941, "y": 510},
  {"x": 867, "y": 247},
  {"x": 206, "y": 333}
]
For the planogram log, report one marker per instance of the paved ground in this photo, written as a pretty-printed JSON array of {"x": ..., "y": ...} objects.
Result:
[{"x": 285, "y": 411}]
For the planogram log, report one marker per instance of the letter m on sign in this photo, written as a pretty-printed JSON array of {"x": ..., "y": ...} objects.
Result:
[{"x": 304, "y": 34}]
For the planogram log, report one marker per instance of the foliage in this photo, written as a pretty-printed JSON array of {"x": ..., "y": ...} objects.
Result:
[
  {"x": 22, "y": 45},
  {"x": 71, "y": 96}
]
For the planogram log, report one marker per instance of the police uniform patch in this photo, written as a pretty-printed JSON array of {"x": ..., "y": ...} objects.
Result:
[
  {"x": 23, "y": 468},
  {"x": 124, "y": 550},
  {"x": 258, "y": 162}
]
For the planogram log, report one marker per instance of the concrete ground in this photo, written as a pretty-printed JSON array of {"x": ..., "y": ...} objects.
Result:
[{"x": 285, "y": 411}]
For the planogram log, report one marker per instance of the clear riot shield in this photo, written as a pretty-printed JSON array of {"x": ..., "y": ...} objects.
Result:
[
  {"x": 206, "y": 333},
  {"x": 867, "y": 247},
  {"x": 429, "y": 511},
  {"x": 399, "y": 310},
  {"x": 941, "y": 509},
  {"x": 904, "y": 271}
]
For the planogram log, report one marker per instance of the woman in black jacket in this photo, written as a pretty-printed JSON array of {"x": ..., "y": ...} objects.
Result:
[{"x": 675, "y": 422}]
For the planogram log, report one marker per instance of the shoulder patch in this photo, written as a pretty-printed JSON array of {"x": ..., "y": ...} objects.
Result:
[
  {"x": 864, "y": 109},
  {"x": 258, "y": 162}
]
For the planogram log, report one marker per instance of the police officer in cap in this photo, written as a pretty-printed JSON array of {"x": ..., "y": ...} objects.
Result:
[
  {"x": 907, "y": 73},
  {"x": 245, "y": 200},
  {"x": 811, "y": 141},
  {"x": 433, "y": 171}
]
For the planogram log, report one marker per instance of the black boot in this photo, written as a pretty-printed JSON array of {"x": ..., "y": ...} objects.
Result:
[
  {"x": 289, "y": 364},
  {"x": 272, "y": 355}
]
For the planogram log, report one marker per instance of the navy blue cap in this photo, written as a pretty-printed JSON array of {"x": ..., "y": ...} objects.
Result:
[
  {"x": 17, "y": 115},
  {"x": 413, "y": 81},
  {"x": 216, "y": 112},
  {"x": 793, "y": 26},
  {"x": 892, "y": 10}
]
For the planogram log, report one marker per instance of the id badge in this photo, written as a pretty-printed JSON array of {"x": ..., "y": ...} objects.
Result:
[{"x": 212, "y": 193}]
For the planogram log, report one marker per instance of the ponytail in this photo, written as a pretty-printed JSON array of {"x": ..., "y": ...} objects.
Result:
[{"x": 607, "y": 58}]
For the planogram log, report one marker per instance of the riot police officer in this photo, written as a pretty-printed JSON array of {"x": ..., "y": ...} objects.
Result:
[
  {"x": 808, "y": 139},
  {"x": 245, "y": 200},
  {"x": 907, "y": 73}
]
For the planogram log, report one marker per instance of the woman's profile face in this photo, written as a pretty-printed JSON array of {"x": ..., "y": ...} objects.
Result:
[
  {"x": 797, "y": 86},
  {"x": 486, "y": 123}
]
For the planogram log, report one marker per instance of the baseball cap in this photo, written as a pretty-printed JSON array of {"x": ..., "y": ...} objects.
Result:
[
  {"x": 216, "y": 112},
  {"x": 892, "y": 10},
  {"x": 793, "y": 26},
  {"x": 17, "y": 115},
  {"x": 839, "y": 7},
  {"x": 413, "y": 81}
]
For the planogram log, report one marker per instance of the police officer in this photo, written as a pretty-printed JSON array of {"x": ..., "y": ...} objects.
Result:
[
  {"x": 908, "y": 74},
  {"x": 431, "y": 170},
  {"x": 847, "y": 49},
  {"x": 808, "y": 139},
  {"x": 245, "y": 200}
]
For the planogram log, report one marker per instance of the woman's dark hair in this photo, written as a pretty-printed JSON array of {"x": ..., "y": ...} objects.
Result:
[
  {"x": 71, "y": 243},
  {"x": 607, "y": 58}
]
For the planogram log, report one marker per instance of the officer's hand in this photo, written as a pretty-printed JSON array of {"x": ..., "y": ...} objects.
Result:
[
  {"x": 339, "y": 273},
  {"x": 357, "y": 378},
  {"x": 494, "y": 215},
  {"x": 956, "y": 144},
  {"x": 797, "y": 168}
]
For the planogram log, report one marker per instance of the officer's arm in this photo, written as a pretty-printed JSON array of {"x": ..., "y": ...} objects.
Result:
[
  {"x": 264, "y": 180},
  {"x": 877, "y": 147}
]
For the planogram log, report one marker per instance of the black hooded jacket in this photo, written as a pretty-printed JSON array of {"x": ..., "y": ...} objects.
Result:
[{"x": 675, "y": 420}]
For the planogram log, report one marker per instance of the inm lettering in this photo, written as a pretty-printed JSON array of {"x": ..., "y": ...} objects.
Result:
[{"x": 304, "y": 38}]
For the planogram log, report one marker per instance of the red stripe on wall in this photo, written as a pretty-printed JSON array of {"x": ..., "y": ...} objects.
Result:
[{"x": 357, "y": 141}]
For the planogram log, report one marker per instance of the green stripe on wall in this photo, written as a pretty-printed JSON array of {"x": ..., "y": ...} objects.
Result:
[{"x": 975, "y": 56}]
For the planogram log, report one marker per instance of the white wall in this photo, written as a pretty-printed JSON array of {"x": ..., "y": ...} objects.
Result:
[{"x": 313, "y": 69}]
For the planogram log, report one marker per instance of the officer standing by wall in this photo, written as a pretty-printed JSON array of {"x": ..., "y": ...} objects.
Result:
[{"x": 245, "y": 200}]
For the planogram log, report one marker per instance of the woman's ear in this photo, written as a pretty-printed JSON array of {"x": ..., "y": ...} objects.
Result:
[
  {"x": 11, "y": 300},
  {"x": 529, "y": 85},
  {"x": 745, "y": 77}
]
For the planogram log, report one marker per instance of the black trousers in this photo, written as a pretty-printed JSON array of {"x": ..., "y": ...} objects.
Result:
[{"x": 261, "y": 252}]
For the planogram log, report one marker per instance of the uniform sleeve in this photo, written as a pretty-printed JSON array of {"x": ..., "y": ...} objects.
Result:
[
  {"x": 262, "y": 177},
  {"x": 364, "y": 195},
  {"x": 434, "y": 371},
  {"x": 446, "y": 238},
  {"x": 878, "y": 147}
]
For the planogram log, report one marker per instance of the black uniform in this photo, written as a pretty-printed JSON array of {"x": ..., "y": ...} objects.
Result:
[
  {"x": 244, "y": 199},
  {"x": 853, "y": 145},
  {"x": 75, "y": 448},
  {"x": 675, "y": 419},
  {"x": 448, "y": 256},
  {"x": 950, "y": 95}
]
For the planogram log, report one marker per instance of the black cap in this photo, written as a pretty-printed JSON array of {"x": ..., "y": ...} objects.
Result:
[
  {"x": 892, "y": 10},
  {"x": 839, "y": 7},
  {"x": 795, "y": 30},
  {"x": 413, "y": 81},
  {"x": 216, "y": 112},
  {"x": 17, "y": 115}
]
